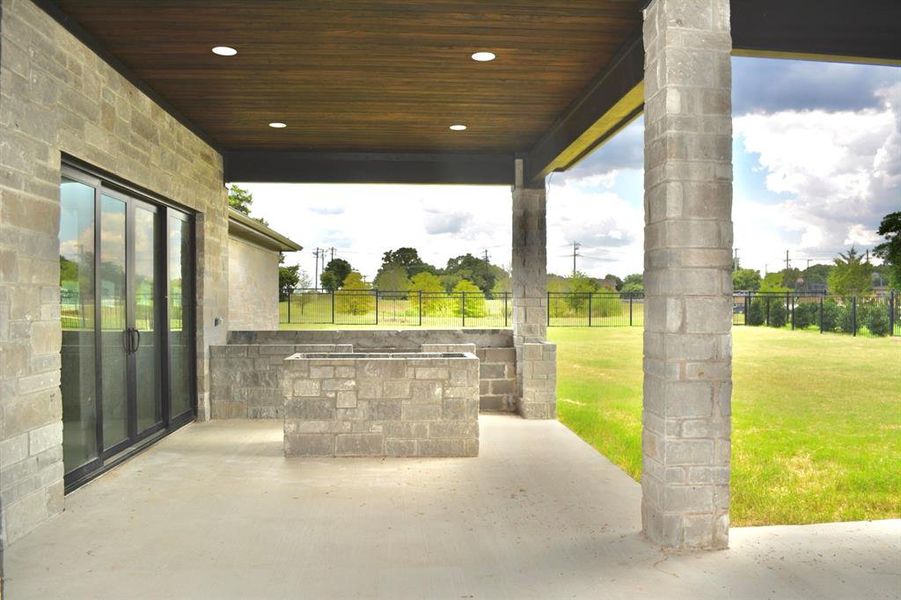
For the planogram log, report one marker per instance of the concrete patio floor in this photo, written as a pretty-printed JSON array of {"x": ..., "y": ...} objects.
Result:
[{"x": 216, "y": 511}]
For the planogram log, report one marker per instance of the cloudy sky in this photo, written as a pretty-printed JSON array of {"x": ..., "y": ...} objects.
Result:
[{"x": 817, "y": 164}]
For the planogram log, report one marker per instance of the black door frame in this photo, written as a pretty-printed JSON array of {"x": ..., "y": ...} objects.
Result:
[{"x": 136, "y": 441}]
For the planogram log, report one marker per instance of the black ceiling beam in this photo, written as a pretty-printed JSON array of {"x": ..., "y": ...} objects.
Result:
[
  {"x": 367, "y": 167},
  {"x": 611, "y": 101},
  {"x": 866, "y": 31}
]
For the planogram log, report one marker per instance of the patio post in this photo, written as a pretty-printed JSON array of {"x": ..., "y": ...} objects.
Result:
[
  {"x": 688, "y": 260},
  {"x": 535, "y": 358}
]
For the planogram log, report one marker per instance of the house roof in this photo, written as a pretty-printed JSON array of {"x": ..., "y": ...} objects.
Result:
[{"x": 246, "y": 228}]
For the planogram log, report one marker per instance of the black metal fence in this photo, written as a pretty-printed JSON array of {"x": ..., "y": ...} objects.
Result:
[
  {"x": 876, "y": 314},
  {"x": 454, "y": 309}
]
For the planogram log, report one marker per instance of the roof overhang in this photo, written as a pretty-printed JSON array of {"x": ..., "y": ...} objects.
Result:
[{"x": 243, "y": 227}]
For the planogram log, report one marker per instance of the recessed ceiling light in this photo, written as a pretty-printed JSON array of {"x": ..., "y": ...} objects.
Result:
[
  {"x": 277, "y": 125},
  {"x": 483, "y": 56},
  {"x": 224, "y": 51},
  {"x": 458, "y": 127}
]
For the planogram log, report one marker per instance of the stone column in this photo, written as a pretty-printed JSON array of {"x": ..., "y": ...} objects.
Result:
[
  {"x": 535, "y": 358},
  {"x": 688, "y": 285}
]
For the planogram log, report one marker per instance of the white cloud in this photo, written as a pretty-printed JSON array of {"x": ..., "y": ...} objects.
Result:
[
  {"x": 610, "y": 229},
  {"x": 840, "y": 172}
]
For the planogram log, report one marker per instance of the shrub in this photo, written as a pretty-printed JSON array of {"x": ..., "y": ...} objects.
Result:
[
  {"x": 875, "y": 317},
  {"x": 470, "y": 294},
  {"x": 833, "y": 315},
  {"x": 846, "y": 322},
  {"x": 606, "y": 305},
  {"x": 756, "y": 313},
  {"x": 806, "y": 314},
  {"x": 778, "y": 312}
]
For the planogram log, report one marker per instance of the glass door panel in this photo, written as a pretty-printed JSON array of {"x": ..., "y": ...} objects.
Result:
[
  {"x": 147, "y": 342},
  {"x": 76, "y": 274},
  {"x": 113, "y": 321},
  {"x": 181, "y": 317}
]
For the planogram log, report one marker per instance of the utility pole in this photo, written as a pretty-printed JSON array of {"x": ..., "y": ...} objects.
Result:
[
  {"x": 333, "y": 253},
  {"x": 576, "y": 246},
  {"x": 765, "y": 272},
  {"x": 868, "y": 255},
  {"x": 316, "y": 253},
  {"x": 735, "y": 264},
  {"x": 485, "y": 255},
  {"x": 808, "y": 263},
  {"x": 788, "y": 264}
]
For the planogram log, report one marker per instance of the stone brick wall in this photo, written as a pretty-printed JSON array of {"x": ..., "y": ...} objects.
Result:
[
  {"x": 410, "y": 340},
  {"x": 57, "y": 97},
  {"x": 539, "y": 376},
  {"x": 688, "y": 283},
  {"x": 371, "y": 406},
  {"x": 246, "y": 379},
  {"x": 497, "y": 374},
  {"x": 252, "y": 286}
]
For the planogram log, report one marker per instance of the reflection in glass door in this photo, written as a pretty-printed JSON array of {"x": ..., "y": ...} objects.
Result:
[
  {"x": 76, "y": 288},
  {"x": 126, "y": 376},
  {"x": 113, "y": 321},
  {"x": 181, "y": 317},
  {"x": 143, "y": 293}
]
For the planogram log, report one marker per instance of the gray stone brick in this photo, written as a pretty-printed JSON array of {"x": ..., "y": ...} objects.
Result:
[{"x": 360, "y": 444}]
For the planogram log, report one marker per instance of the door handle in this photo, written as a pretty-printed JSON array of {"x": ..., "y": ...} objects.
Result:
[{"x": 137, "y": 339}]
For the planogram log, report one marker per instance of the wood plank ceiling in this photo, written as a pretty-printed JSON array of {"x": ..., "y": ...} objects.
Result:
[{"x": 365, "y": 75}]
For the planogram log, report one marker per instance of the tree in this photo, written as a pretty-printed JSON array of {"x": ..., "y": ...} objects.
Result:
[
  {"x": 816, "y": 274},
  {"x": 239, "y": 199},
  {"x": 429, "y": 285},
  {"x": 477, "y": 270},
  {"x": 408, "y": 258},
  {"x": 354, "y": 297},
  {"x": 772, "y": 283},
  {"x": 392, "y": 279},
  {"x": 890, "y": 249},
  {"x": 335, "y": 272},
  {"x": 290, "y": 278},
  {"x": 851, "y": 276},
  {"x": 746, "y": 280},
  {"x": 614, "y": 281},
  {"x": 471, "y": 297},
  {"x": 634, "y": 283}
]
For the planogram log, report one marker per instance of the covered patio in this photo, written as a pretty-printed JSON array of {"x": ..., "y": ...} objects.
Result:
[
  {"x": 127, "y": 99},
  {"x": 216, "y": 511}
]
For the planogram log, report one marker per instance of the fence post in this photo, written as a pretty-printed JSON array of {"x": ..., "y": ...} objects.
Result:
[
  {"x": 747, "y": 306},
  {"x": 333, "y": 307},
  {"x": 463, "y": 307},
  {"x": 821, "y": 314},
  {"x": 589, "y": 308},
  {"x": 767, "y": 311},
  {"x": 854, "y": 316},
  {"x": 505, "y": 308},
  {"x": 290, "y": 293},
  {"x": 376, "y": 307},
  {"x": 630, "y": 310},
  {"x": 891, "y": 312},
  {"x": 420, "y": 308},
  {"x": 548, "y": 309}
]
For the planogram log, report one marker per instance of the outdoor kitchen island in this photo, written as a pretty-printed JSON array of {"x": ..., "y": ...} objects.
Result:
[{"x": 381, "y": 404}]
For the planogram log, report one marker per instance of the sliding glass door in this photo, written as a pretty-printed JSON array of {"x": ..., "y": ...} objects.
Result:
[{"x": 125, "y": 273}]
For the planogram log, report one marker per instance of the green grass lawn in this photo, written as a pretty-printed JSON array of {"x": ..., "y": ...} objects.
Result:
[{"x": 816, "y": 427}]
